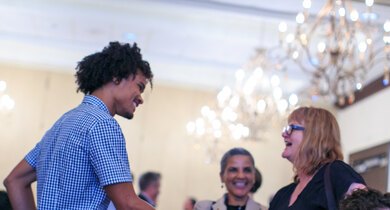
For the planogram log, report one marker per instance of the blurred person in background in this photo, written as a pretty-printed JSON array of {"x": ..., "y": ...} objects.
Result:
[
  {"x": 189, "y": 203},
  {"x": 149, "y": 185}
]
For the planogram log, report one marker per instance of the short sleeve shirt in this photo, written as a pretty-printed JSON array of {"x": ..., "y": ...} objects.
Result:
[
  {"x": 313, "y": 196},
  {"x": 84, "y": 151}
]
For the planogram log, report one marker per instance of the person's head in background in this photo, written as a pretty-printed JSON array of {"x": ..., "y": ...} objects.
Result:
[
  {"x": 5, "y": 204},
  {"x": 189, "y": 203},
  {"x": 237, "y": 173},
  {"x": 149, "y": 185},
  {"x": 312, "y": 138},
  {"x": 367, "y": 199},
  {"x": 258, "y": 182}
]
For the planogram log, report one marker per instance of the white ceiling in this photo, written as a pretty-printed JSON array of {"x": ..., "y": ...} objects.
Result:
[{"x": 196, "y": 43}]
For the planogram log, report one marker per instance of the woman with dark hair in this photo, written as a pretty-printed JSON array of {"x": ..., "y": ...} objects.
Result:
[
  {"x": 312, "y": 139},
  {"x": 238, "y": 175}
]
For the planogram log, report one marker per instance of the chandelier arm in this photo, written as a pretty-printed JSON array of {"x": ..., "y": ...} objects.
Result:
[{"x": 322, "y": 13}]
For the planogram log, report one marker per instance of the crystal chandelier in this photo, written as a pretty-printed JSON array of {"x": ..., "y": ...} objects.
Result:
[
  {"x": 6, "y": 102},
  {"x": 337, "y": 48},
  {"x": 247, "y": 110}
]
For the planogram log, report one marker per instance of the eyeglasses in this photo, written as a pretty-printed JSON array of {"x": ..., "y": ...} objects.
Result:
[{"x": 290, "y": 128}]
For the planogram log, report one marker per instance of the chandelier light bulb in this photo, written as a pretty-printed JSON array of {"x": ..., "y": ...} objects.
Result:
[
  {"x": 300, "y": 18},
  {"x": 386, "y": 39},
  {"x": 342, "y": 12},
  {"x": 200, "y": 131},
  {"x": 233, "y": 116},
  {"x": 240, "y": 74},
  {"x": 282, "y": 27},
  {"x": 234, "y": 102},
  {"x": 282, "y": 106},
  {"x": 295, "y": 55},
  {"x": 369, "y": 3},
  {"x": 216, "y": 124},
  {"x": 258, "y": 72},
  {"x": 293, "y": 99},
  {"x": 321, "y": 47},
  {"x": 217, "y": 134},
  {"x": 354, "y": 15},
  {"x": 223, "y": 95},
  {"x": 290, "y": 38},
  {"x": 362, "y": 47},
  {"x": 386, "y": 26},
  {"x": 275, "y": 81},
  {"x": 306, "y": 4},
  {"x": 245, "y": 132},
  {"x": 369, "y": 41},
  {"x": 212, "y": 115},
  {"x": 3, "y": 85},
  {"x": 359, "y": 86},
  {"x": 226, "y": 113},
  {"x": 261, "y": 105},
  {"x": 199, "y": 122},
  {"x": 277, "y": 93},
  {"x": 205, "y": 110}
]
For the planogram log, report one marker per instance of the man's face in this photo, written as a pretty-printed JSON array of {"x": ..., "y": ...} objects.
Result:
[
  {"x": 127, "y": 95},
  {"x": 154, "y": 189}
]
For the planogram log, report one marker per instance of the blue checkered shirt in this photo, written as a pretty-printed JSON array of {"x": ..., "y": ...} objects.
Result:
[{"x": 84, "y": 151}]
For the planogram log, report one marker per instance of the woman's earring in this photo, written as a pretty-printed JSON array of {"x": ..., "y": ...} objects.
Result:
[{"x": 222, "y": 186}]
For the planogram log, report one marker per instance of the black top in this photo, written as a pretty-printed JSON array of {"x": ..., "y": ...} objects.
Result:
[
  {"x": 313, "y": 196},
  {"x": 230, "y": 207}
]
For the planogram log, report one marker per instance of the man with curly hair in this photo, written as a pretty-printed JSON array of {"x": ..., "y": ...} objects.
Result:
[
  {"x": 81, "y": 162},
  {"x": 366, "y": 199}
]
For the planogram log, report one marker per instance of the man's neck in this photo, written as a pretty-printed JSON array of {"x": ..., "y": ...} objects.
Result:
[{"x": 103, "y": 93}]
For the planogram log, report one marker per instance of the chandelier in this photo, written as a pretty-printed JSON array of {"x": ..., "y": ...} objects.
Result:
[
  {"x": 6, "y": 102},
  {"x": 247, "y": 110},
  {"x": 337, "y": 48}
]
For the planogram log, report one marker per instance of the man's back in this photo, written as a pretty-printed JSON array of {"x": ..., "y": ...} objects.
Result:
[{"x": 78, "y": 156}]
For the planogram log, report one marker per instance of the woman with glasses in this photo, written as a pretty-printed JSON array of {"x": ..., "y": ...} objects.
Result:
[
  {"x": 322, "y": 179},
  {"x": 238, "y": 176}
]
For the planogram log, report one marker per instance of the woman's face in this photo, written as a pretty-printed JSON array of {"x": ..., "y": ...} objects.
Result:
[
  {"x": 292, "y": 141},
  {"x": 239, "y": 176}
]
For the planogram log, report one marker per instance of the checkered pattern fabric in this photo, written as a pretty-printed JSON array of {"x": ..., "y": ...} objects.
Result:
[{"x": 83, "y": 152}]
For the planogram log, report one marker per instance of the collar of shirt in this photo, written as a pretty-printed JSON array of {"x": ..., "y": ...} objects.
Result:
[
  {"x": 150, "y": 201},
  {"x": 93, "y": 100}
]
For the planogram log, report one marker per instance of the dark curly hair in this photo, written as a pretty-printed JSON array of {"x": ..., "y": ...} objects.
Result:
[
  {"x": 367, "y": 199},
  {"x": 115, "y": 61}
]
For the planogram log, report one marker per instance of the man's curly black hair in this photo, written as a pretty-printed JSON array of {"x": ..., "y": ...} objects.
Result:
[
  {"x": 366, "y": 199},
  {"x": 116, "y": 61}
]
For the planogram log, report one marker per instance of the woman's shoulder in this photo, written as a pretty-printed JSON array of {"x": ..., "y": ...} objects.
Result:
[
  {"x": 283, "y": 193},
  {"x": 253, "y": 205},
  {"x": 340, "y": 168},
  {"x": 203, "y": 205}
]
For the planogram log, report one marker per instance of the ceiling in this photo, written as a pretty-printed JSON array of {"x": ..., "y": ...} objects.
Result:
[{"x": 194, "y": 43}]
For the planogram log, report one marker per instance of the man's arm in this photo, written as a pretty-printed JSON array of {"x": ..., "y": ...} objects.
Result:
[
  {"x": 18, "y": 184},
  {"x": 123, "y": 196}
]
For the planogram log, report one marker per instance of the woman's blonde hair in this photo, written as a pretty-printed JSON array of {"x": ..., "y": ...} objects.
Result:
[{"x": 321, "y": 139}]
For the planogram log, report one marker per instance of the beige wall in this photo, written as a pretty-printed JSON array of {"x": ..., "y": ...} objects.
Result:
[
  {"x": 366, "y": 123},
  {"x": 156, "y": 138}
]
